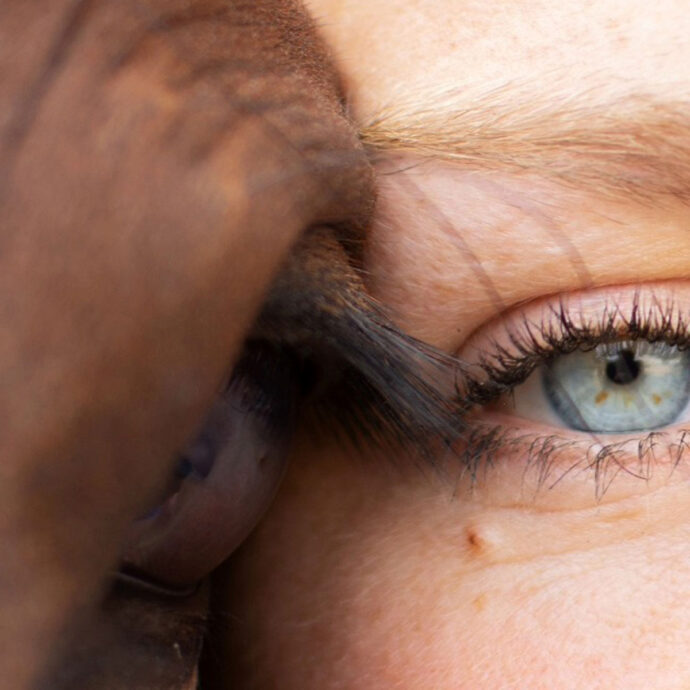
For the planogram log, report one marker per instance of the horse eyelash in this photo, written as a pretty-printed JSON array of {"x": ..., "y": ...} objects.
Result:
[{"x": 364, "y": 380}]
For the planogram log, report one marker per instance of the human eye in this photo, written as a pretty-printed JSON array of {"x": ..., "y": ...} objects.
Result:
[
  {"x": 593, "y": 384},
  {"x": 616, "y": 386}
]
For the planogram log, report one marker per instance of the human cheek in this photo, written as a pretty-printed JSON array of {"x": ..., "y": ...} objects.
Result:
[{"x": 432, "y": 586}]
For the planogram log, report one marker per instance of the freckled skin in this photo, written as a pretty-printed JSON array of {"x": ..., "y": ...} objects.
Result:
[
  {"x": 131, "y": 270},
  {"x": 385, "y": 579},
  {"x": 366, "y": 576}
]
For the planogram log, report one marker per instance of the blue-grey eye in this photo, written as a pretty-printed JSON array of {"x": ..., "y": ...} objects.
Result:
[{"x": 619, "y": 387}]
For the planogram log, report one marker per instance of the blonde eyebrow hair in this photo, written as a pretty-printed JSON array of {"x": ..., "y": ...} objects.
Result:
[{"x": 617, "y": 144}]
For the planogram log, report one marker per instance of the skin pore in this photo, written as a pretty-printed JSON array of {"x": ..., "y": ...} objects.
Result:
[{"x": 373, "y": 574}]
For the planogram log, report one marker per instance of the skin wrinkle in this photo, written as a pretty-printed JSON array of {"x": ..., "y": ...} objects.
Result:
[
  {"x": 575, "y": 257},
  {"x": 510, "y": 243},
  {"x": 445, "y": 225}
]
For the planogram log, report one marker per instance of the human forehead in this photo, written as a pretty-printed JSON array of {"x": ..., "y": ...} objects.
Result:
[{"x": 389, "y": 52}]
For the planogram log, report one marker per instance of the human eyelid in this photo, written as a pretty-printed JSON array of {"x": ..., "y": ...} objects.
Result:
[
  {"x": 503, "y": 353},
  {"x": 459, "y": 422},
  {"x": 506, "y": 352},
  {"x": 387, "y": 395}
]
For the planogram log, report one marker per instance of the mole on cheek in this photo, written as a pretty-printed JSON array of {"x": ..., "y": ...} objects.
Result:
[
  {"x": 485, "y": 542},
  {"x": 477, "y": 541},
  {"x": 474, "y": 540}
]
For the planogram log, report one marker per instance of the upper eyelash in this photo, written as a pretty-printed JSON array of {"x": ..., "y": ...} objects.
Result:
[
  {"x": 533, "y": 344},
  {"x": 371, "y": 381}
]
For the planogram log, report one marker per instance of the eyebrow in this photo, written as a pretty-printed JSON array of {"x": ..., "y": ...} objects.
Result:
[{"x": 630, "y": 146}]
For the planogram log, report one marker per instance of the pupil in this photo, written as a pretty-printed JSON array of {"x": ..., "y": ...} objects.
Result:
[{"x": 623, "y": 368}]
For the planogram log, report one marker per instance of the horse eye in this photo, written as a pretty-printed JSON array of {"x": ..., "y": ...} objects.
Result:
[{"x": 225, "y": 479}]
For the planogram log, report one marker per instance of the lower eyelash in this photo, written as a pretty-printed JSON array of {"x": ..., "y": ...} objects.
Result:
[{"x": 546, "y": 454}]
